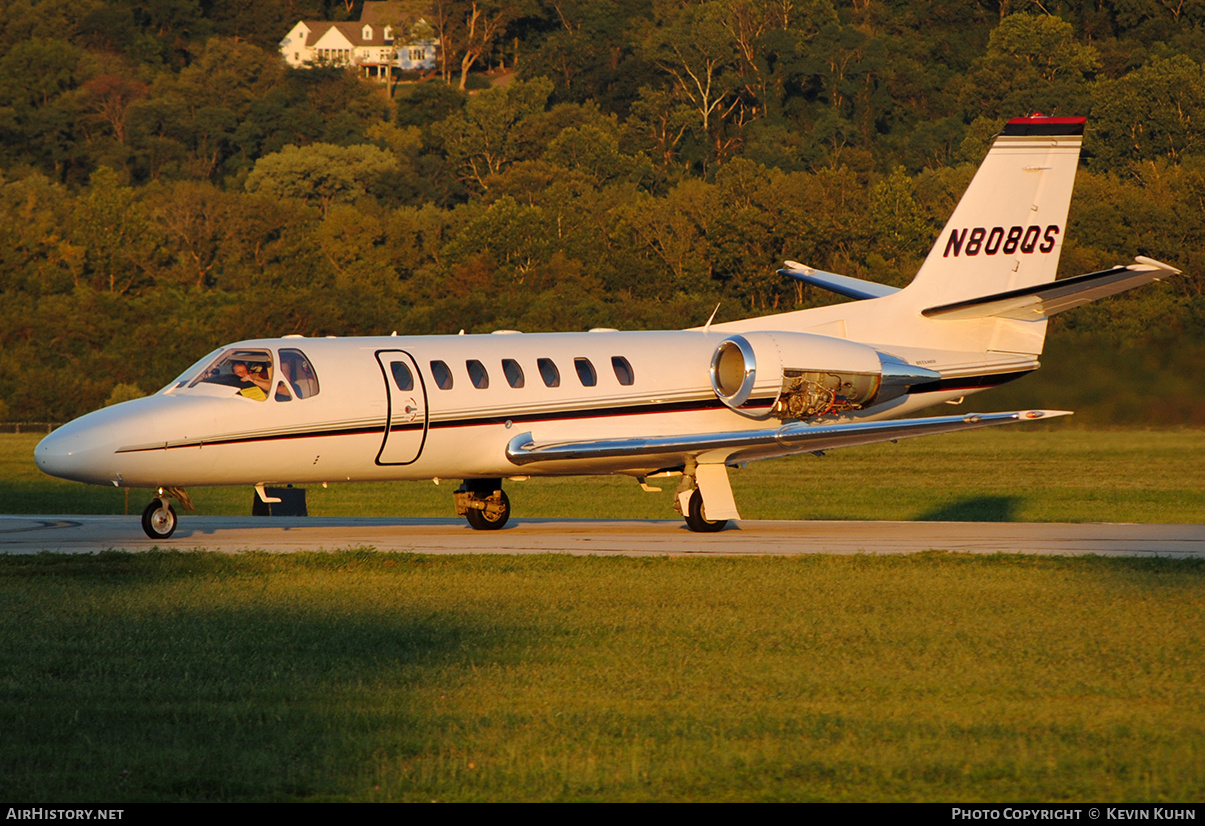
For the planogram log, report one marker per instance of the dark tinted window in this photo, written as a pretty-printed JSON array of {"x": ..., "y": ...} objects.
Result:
[
  {"x": 442, "y": 375},
  {"x": 549, "y": 373},
  {"x": 585, "y": 372},
  {"x": 477, "y": 374},
  {"x": 514, "y": 373},
  {"x": 623, "y": 370},
  {"x": 401, "y": 376}
]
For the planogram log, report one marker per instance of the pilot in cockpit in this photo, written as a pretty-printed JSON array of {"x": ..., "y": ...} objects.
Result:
[{"x": 255, "y": 379}]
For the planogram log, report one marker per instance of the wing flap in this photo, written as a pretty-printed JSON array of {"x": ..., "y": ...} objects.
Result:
[
  {"x": 751, "y": 445},
  {"x": 1043, "y": 301}
]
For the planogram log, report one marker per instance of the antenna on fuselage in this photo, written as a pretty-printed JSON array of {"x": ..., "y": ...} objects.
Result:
[{"x": 707, "y": 326}]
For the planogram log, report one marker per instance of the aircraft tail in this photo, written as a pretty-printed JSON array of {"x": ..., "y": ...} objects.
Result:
[{"x": 1006, "y": 233}]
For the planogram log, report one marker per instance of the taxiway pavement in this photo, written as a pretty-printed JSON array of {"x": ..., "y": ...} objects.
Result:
[{"x": 92, "y": 534}]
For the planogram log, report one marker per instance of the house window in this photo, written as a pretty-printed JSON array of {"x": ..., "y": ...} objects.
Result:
[{"x": 418, "y": 55}]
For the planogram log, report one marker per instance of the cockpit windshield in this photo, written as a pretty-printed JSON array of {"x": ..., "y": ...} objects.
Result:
[
  {"x": 251, "y": 373},
  {"x": 247, "y": 372},
  {"x": 184, "y": 378}
]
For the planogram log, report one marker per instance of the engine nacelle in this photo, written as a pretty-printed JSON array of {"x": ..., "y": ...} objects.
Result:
[{"x": 801, "y": 376}]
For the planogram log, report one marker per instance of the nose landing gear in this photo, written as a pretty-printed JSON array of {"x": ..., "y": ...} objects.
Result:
[{"x": 159, "y": 518}]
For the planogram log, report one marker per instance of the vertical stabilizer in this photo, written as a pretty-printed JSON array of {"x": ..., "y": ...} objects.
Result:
[{"x": 1007, "y": 231}]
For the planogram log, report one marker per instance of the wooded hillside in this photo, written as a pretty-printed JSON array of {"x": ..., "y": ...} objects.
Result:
[{"x": 167, "y": 185}]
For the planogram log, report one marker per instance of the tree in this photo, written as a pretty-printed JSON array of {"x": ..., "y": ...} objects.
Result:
[
  {"x": 1152, "y": 112},
  {"x": 114, "y": 232},
  {"x": 485, "y": 136},
  {"x": 467, "y": 30},
  {"x": 695, "y": 50},
  {"x": 1032, "y": 63},
  {"x": 321, "y": 173}
]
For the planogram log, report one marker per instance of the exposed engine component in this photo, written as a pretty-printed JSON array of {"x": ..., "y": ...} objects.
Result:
[
  {"x": 806, "y": 394},
  {"x": 776, "y": 374}
]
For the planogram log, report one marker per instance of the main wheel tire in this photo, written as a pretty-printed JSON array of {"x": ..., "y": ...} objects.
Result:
[
  {"x": 697, "y": 521},
  {"x": 480, "y": 521},
  {"x": 159, "y": 520}
]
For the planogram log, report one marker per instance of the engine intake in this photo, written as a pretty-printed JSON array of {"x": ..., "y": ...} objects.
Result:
[{"x": 802, "y": 376}]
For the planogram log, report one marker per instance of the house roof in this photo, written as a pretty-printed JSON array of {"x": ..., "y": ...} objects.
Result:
[
  {"x": 394, "y": 12},
  {"x": 351, "y": 30}
]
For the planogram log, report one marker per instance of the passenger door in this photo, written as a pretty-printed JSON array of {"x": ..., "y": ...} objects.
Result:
[{"x": 406, "y": 423}]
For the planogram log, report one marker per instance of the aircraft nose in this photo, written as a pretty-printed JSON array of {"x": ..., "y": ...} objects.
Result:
[{"x": 76, "y": 453}]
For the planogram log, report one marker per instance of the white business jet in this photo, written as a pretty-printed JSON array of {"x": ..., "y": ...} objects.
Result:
[{"x": 689, "y": 403}]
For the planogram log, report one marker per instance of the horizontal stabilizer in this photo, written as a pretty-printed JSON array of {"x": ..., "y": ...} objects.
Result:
[
  {"x": 1044, "y": 300},
  {"x": 751, "y": 445},
  {"x": 841, "y": 284}
]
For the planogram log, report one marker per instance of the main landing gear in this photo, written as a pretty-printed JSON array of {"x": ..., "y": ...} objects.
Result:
[
  {"x": 159, "y": 518},
  {"x": 697, "y": 520},
  {"x": 483, "y": 503}
]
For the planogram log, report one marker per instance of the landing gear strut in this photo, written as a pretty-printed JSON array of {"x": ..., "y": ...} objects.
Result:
[{"x": 483, "y": 503}]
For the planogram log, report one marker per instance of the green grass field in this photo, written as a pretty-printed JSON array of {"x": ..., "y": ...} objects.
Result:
[
  {"x": 376, "y": 677},
  {"x": 1050, "y": 473}
]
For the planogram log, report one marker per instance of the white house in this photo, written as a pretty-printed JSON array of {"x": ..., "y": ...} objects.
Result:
[{"x": 389, "y": 37}]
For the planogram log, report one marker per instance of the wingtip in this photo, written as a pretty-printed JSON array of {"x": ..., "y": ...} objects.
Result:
[
  {"x": 1141, "y": 262},
  {"x": 1046, "y": 414}
]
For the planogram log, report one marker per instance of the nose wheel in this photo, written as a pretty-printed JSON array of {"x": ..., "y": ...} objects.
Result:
[{"x": 159, "y": 519}]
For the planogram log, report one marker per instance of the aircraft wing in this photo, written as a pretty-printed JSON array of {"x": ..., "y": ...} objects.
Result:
[
  {"x": 1043, "y": 301},
  {"x": 845, "y": 285},
  {"x": 750, "y": 445}
]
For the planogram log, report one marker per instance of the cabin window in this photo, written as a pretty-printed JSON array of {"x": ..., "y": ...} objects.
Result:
[
  {"x": 295, "y": 368},
  {"x": 477, "y": 374},
  {"x": 442, "y": 375},
  {"x": 401, "y": 376},
  {"x": 513, "y": 372},
  {"x": 585, "y": 372},
  {"x": 549, "y": 373},
  {"x": 623, "y": 370},
  {"x": 282, "y": 392}
]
